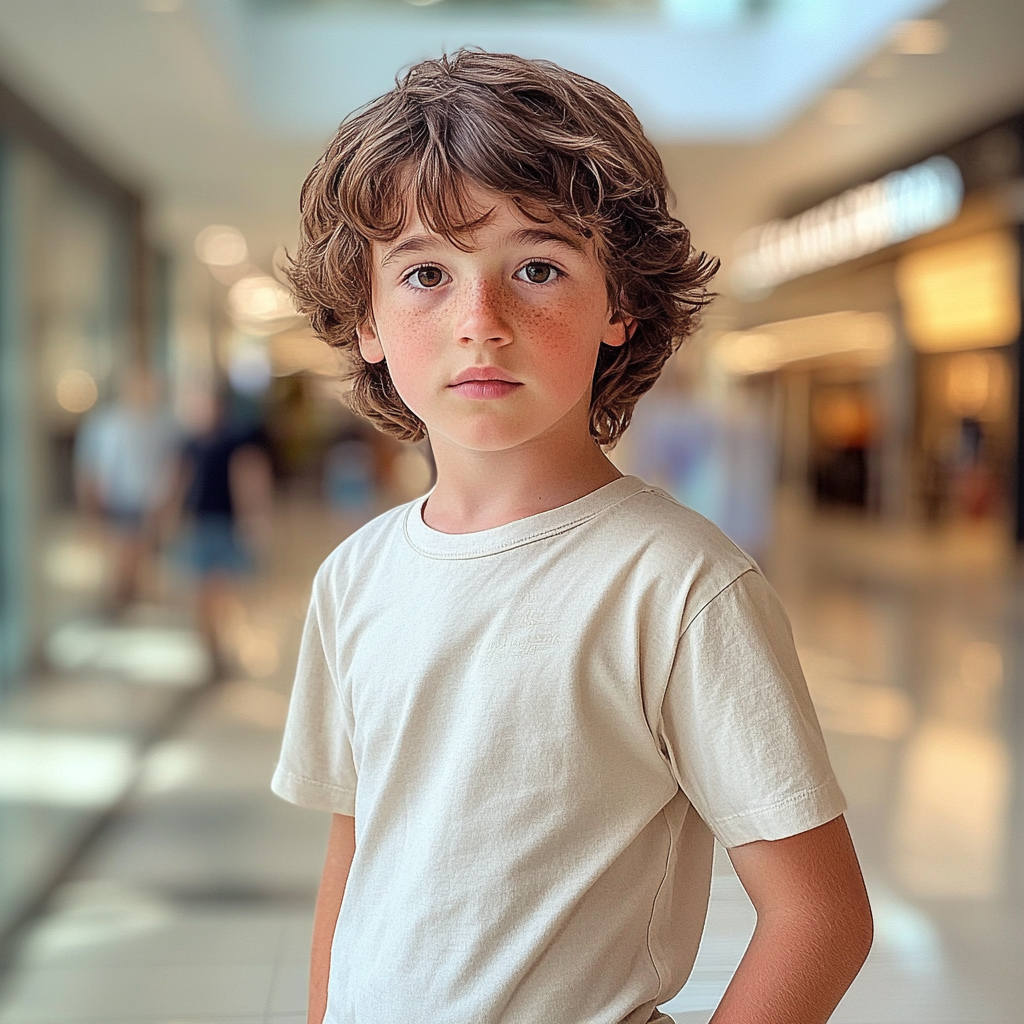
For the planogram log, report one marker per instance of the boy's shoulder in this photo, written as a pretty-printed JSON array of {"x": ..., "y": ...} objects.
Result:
[
  {"x": 655, "y": 517},
  {"x": 671, "y": 542}
]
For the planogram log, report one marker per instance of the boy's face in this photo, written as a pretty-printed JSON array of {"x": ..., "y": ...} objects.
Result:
[{"x": 494, "y": 347}]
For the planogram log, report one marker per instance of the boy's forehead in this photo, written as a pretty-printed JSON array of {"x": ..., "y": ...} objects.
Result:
[{"x": 490, "y": 218}]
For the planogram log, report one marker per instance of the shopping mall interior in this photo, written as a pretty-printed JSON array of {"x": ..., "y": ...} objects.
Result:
[{"x": 848, "y": 413}]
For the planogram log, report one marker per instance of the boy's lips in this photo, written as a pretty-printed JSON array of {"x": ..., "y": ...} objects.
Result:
[
  {"x": 484, "y": 382},
  {"x": 481, "y": 373}
]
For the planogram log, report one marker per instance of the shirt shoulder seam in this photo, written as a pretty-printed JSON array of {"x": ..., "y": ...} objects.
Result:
[{"x": 714, "y": 597}]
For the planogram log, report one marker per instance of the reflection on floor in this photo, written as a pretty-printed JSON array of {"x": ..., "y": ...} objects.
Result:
[{"x": 196, "y": 905}]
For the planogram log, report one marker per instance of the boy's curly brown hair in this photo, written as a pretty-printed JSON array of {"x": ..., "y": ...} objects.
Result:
[{"x": 558, "y": 145}]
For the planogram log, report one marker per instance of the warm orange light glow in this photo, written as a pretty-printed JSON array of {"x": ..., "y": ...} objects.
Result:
[
  {"x": 76, "y": 391},
  {"x": 862, "y": 338},
  {"x": 961, "y": 295},
  {"x": 968, "y": 383},
  {"x": 221, "y": 245},
  {"x": 920, "y": 36}
]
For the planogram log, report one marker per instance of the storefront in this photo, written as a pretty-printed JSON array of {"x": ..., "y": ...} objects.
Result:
[
  {"x": 885, "y": 321},
  {"x": 71, "y": 313}
]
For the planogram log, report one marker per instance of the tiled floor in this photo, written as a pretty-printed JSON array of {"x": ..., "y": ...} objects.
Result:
[{"x": 196, "y": 905}]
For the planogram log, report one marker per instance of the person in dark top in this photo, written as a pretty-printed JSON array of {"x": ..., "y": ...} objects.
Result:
[{"x": 226, "y": 505}]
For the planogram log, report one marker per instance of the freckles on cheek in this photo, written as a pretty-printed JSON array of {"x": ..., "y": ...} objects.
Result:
[
  {"x": 567, "y": 345},
  {"x": 407, "y": 338}
]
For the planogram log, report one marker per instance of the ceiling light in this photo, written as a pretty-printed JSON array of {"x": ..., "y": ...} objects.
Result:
[
  {"x": 76, "y": 391},
  {"x": 260, "y": 299},
  {"x": 865, "y": 339},
  {"x": 221, "y": 246},
  {"x": 962, "y": 294},
  {"x": 921, "y": 36}
]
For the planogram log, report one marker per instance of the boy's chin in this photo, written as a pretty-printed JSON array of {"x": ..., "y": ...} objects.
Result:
[{"x": 492, "y": 439}]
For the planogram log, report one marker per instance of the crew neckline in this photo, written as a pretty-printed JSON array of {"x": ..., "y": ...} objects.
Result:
[{"x": 481, "y": 543}]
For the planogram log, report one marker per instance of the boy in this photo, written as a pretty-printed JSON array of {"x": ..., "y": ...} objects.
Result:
[{"x": 532, "y": 698}]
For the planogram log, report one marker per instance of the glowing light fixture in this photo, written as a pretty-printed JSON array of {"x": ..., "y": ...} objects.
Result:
[
  {"x": 962, "y": 294},
  {"x": 976, "y": 382},
  {"x": 76, "y": 391},
  {"x": 260, "y": 299},
  {"x": 864, "y": 338},
  {"x": 862, "y": 220},
  {"x": 220, "y": 245}
]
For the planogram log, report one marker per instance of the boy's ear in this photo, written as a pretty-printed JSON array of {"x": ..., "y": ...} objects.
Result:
[
  {"x": 369, "y": 344},
  {"x": 619, "y": 330}
]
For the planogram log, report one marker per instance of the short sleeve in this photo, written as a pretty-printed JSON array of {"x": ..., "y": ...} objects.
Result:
[
  {"x": 738, "y": 725},
  {"x": 316, "y": 768}
]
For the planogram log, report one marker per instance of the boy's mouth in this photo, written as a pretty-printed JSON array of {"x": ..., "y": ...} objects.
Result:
[{"x": 484, "y": 382}]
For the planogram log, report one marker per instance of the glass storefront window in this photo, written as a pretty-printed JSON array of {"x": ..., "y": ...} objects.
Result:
[{"x": 65, "y": 335}]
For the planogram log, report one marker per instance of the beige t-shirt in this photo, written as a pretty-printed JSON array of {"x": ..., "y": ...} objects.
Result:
[{"x": 538, "y": 729}]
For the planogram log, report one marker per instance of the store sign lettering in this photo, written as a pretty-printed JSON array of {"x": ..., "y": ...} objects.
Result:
[{"x": 861, "y": 220}]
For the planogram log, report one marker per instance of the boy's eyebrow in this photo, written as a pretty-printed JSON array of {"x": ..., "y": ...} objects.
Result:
[
  {"x": 415, "y": 244},
  {"x": 522, "y": 236}
]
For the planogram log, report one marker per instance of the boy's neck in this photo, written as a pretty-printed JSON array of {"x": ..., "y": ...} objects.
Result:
[{"x": 479, "y": 490}]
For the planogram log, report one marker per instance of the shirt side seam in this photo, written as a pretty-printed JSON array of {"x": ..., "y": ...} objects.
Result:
[{"x": 654, "y": 903}]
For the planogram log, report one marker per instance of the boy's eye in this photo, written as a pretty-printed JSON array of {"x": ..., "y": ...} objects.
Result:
[
  {"x": 537, "y": 273},
  {"x": 426, "y": 277}
]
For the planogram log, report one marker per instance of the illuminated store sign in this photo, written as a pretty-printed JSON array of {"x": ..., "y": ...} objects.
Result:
[{"x": 857, "y": 222}]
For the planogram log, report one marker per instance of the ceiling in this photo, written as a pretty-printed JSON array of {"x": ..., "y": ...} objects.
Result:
[
  {"x": 691, "y": 69},
  {"x": 217, "y": 108}
]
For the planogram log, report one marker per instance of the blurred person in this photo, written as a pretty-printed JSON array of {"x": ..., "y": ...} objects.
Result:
[
  {"x": 718, "y": 461},
  {"x": 226, "y": 496},
  {"x": 974, "y": 482},
  {"x": 533, "y": 697},
  {"x": 124, "y": 461}
]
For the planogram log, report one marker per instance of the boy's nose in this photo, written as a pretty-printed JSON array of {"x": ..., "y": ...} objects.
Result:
[{"x": 482, "y": 316}]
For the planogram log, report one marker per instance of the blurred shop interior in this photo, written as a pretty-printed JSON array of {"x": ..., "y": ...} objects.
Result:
[{"x": 848, "y": 413}]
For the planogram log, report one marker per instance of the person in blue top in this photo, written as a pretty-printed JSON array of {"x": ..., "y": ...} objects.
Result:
[{"x": 226, "y": 486}]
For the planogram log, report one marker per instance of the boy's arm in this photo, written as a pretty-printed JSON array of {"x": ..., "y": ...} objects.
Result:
[
  {"x": 813, "y": 928},
  {"x": 341, "y": 848}
]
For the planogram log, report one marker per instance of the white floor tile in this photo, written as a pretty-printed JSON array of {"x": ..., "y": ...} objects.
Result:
[{"x": 169, "y": 937}]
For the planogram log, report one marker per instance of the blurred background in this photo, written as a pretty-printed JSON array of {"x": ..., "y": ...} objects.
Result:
[{"x": 176, "y": 458}]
